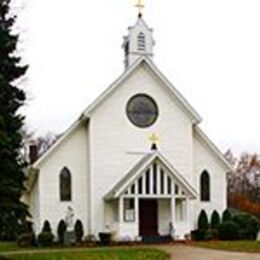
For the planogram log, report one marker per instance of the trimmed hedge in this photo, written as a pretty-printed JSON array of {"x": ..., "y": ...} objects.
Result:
[
  {"x": 61, "y": 229},
  {"x": 235, "y": 226},
  {"x": 212, "y": 234},
  {"x": 248, "y": 225},
  {"x": 226, "y": 216},
  {"x": 46, "y": 226},
  {"x": 203, "y": 222},
  {"x": 79, "y": 230},
  {"x": 198, "y": 235},
  {"x": 215, "y": 220},
  {"x": 45, "y": 238},
  {"x": 228, "y": 230}
]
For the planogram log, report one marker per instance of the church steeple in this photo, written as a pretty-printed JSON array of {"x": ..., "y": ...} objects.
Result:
[{"x": 139, "y": 41}]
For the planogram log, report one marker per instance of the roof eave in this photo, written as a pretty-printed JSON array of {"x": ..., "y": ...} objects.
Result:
[
  {"x": 70, "y": 130},
  {"x": 194, "y": 116},
  {"x": 89, "y": 110},
  {"x": 214, "y": 149}
]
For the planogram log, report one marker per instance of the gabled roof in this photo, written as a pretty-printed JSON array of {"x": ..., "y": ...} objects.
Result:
[
  {"x": 165, "y": 82},
  {"x": 68, "y": 132},
  {"x": 87, "y": 113},
  {"x": 175, "y": 93},
  {"x": 140, "y": 20},
  {"x": 145, "y": 162}
]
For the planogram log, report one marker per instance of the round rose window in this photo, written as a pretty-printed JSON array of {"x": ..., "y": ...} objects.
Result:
[{"x": 142, "y": 110}]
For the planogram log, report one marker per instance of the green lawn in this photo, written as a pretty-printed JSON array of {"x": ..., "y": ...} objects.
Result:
[
  {"x": 243, "y": 246},
  {"x": 6, "y": 246},
  {"x": 93, "y": 254}
]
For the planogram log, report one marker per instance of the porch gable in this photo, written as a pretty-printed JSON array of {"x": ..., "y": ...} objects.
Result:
[{"x": 152, "y": 177}]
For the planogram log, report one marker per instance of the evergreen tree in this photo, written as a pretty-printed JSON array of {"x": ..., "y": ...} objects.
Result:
[
  {"x": 203, "y": 222},
  {"x": 13, "y": 212},
  {"x": 79, "y": 230},
  {"x": 215, "y": 220},
  {"x": 226, "y": 216},
  {"x": 61, "y": 231},
  {"x": 46, "y": 226}
]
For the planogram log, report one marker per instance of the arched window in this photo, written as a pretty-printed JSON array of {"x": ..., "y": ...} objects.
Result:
[
  {"x": 65, "y": 185},
  {"x": 141, "y": 41},
  {"x": 205, "y": 186}
]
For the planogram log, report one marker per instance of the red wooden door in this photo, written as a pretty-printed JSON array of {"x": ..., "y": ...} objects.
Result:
[{"x": 148, "y": 217}]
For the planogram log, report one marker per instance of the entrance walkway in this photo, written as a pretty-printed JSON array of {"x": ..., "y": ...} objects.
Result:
[{"x": 180, "y": 252}]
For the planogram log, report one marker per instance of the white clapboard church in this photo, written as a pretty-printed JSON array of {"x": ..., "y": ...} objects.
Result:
[{"x": 135, "y": 163}]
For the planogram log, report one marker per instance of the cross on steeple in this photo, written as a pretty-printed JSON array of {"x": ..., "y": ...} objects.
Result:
[{"x": 140, "y": 5}]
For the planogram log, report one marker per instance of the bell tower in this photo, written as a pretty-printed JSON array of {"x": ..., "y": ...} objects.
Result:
[{"x": 139, "y": 41}]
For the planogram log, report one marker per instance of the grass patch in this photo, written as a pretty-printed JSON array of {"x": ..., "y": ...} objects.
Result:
[
  {"x": 243, "y": 246},
  {"x": 93, "y": 254},
  {"x": 8, "y": 246}
]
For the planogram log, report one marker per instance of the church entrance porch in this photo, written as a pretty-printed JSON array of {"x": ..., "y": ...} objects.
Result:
[
  {"x": 153, "y": 199},
  {"x": 140, "y": 218}
]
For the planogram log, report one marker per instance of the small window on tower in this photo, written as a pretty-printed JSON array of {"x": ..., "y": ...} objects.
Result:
[{"x": 141, "y": 41}]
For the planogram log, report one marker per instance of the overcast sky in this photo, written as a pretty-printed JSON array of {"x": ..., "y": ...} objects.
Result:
[{"x": 209, "y": 49}]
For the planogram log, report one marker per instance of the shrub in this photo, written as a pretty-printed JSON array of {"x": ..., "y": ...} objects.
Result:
[
  {"x": 46, "y": 226},
  {"x": 212, "y": 234},
  {"x": 248, "y": 225},
  {"x": 25, "y": 239},
  {"x": 61, "y": 231},
  {"x": 226, "y": 216},
  {"x": 203, "y": 222},
  {"x": 45, "y": 238},
  {"x": 244, "y": 234},
  {"x": 215, "y": 220},
  {"x": 79, "y": 230},
  {"x": 198, "y": 235},
  {"x": 228, "y": 230},
  {"x": 105, "y": 238}
]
